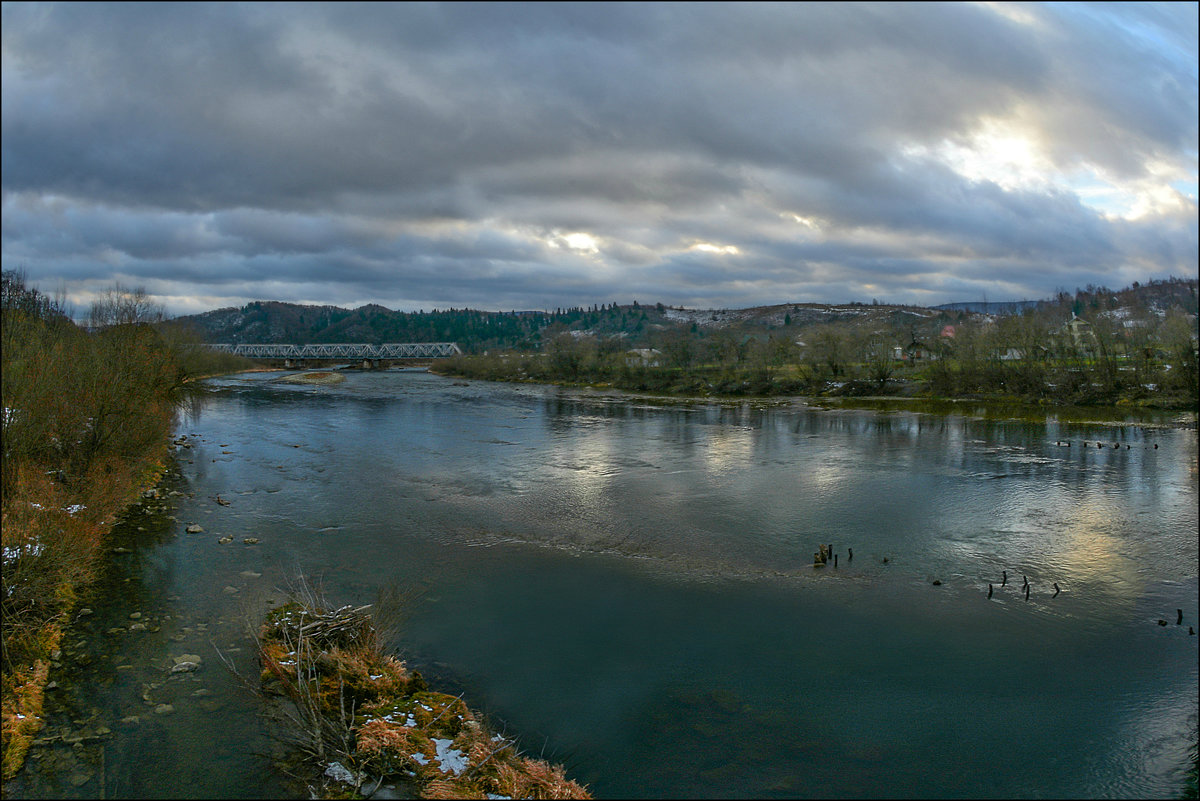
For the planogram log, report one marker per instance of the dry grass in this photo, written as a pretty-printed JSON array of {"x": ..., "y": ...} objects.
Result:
[
  {"x": 354, "y": 704},
  {"x": 52, "y": 534},
  {"x": 22, "y": 709}
]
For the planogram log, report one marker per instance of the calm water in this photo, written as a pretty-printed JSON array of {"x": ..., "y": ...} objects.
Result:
[{"x": 628, "y": 587}]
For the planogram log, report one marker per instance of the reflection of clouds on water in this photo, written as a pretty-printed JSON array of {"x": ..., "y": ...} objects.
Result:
[
  {"x": 1089, "y": 551},
  {"x": 588, "y": 459},
  {"x": 827, "y": 476},
  {"x": 728, "y": 448}
]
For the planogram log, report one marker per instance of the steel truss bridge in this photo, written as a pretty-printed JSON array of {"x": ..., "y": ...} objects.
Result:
[{"x": 394, "y": 350}]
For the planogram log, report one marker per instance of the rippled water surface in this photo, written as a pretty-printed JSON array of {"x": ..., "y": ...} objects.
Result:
[{"x": 627, "y": 585}]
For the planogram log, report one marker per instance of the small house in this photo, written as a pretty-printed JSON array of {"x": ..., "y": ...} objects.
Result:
[{"x": 643, "y": 357}]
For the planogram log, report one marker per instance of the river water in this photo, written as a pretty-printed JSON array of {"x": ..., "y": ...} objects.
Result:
[{"x": 626, "y": 585}]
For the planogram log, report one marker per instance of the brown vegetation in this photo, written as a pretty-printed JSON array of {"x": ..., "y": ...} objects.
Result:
[{"x": 363, "y": 718}]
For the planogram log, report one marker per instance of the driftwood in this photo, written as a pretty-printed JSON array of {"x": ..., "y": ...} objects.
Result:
[{"x": 346, "y": 624}]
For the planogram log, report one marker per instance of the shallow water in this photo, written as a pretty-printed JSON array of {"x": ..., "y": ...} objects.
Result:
[{"x": 627, "y": 585}]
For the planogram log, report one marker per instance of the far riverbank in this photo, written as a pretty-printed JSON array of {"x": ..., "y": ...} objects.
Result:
[{"x": 897, "y": 396}]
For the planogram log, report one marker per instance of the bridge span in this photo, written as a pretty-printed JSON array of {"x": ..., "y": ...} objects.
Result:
[{"x": 369, "y": 355}]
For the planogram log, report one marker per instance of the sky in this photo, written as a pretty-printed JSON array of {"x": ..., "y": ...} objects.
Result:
[{"x": 503, "y": 156}]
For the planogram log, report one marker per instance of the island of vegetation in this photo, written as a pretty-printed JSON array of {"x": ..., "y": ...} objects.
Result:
[{"x": 356, "y": 713}]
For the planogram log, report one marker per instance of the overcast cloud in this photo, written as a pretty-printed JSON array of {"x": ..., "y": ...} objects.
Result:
[{"x": 512, "y": 157}]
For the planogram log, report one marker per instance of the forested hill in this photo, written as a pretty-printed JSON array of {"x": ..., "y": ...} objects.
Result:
[{"x": 640, "y": 324}]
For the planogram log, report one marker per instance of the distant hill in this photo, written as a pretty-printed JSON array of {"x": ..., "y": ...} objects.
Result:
[
  {"x": 640, "y": 325},
  {"x": 992, "y": 307}
]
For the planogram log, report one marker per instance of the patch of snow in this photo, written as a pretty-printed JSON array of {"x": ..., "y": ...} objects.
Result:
[
  {"x": 13, "y": 552},
  {"x": 340, "y": 773},
  {"x": 420, "y": 758},
  {"x": 450, "y": 759},
  {"x": 74, "y": 508}
]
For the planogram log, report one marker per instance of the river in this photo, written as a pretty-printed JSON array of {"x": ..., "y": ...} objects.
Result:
[{"x": 627, "y": 586}]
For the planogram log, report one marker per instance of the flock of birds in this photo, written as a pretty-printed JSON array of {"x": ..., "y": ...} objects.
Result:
[
  {"x": 1099, "y": 445},
  {"x": 1026, "y": 586},
  {"x": 826, "y": 554}
]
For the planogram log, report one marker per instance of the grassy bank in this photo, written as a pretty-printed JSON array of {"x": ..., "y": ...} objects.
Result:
[{"x": 86, "y": 422}]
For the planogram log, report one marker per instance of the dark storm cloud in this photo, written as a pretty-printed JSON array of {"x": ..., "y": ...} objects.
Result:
[{"x": 419, "y": 155}]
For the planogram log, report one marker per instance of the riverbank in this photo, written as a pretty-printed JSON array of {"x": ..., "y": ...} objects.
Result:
[
  {"x": 69, "y": 529},
  {"x": 897, "y": 396},
  {"x": 87, "y": 415}
]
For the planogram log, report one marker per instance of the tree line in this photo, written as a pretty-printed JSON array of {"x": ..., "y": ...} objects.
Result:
[{"x": 1118, "y": 352}]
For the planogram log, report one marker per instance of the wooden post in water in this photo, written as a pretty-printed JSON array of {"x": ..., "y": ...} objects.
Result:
[{"x": 989, "y": 590}]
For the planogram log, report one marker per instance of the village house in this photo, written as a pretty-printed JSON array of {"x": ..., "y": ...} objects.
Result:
[
  {"x": 643, "y": 357},
  {"x": 1078, "y": 332},
  {"x": 1078, "y": 329},
  {"x": 914, "y": 351}
]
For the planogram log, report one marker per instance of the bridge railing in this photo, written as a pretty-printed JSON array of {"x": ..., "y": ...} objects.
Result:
[{"x": 345, "y": 350}]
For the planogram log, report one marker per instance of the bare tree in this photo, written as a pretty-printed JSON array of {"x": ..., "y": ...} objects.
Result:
[
  {"x": 877, "y": 355},
  {"x": 120, "y": 306}
]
